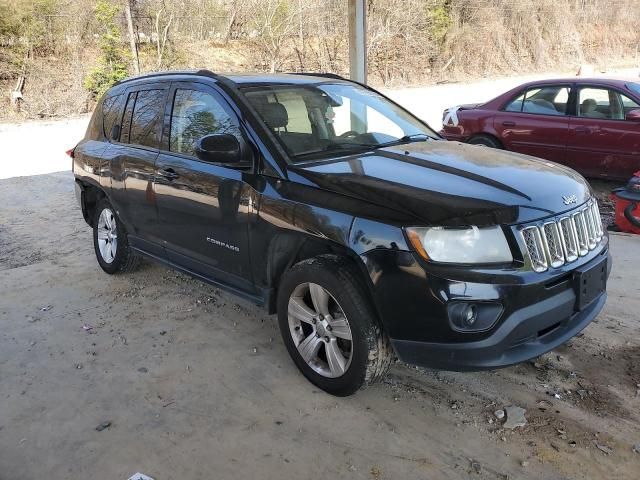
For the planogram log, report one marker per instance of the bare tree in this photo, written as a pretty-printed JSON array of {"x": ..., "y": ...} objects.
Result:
[
  {"x": 274, "y": 22},
  {"x": 132, "y": 39},
  {"x": 161, "y": 28}
]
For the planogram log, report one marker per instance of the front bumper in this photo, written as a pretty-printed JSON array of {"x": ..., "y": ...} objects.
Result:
[
  {"x": 540, "y": 311},
  {"x": 526, "y": 334}
]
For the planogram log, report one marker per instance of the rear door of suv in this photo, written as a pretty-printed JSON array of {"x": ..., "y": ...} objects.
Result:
[
  {"x": 133, "y": 156},
  {"x": 203, "y": 207}
]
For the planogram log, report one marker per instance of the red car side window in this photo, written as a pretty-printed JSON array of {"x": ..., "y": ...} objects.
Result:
[{"x": 550, "y": 100}]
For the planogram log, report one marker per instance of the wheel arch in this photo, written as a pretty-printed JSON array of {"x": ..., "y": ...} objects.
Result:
[
  {"x": 305, "y": 247},
  {"x": 90, "y": 194},
  {"x": 486, "y": 134}
]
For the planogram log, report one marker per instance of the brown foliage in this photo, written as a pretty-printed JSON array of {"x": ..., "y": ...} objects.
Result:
[{"x": 409, "y": 41}]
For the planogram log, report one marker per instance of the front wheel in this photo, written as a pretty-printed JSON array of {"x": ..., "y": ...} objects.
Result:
[
  {"x": 329, "y": 326},
  {"x": 110, "y": 241}
]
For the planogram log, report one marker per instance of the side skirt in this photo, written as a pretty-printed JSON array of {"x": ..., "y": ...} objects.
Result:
[{"x": 264, "y": 299}]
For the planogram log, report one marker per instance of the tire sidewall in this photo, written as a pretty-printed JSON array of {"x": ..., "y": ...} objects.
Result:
[
  {"x": 120, "y": 257},
  {"x": 484, "y": 141},
  {"x": 362, "y": 330}
]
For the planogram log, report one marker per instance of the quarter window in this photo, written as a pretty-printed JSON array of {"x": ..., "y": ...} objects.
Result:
[
  {"x": 196, "y": 114},
  {"x": 111, "y": 114},
  {"x": 146, "y": 121}
]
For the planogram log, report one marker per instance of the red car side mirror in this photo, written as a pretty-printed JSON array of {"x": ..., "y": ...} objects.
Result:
[{"x": 633, "y": 115}]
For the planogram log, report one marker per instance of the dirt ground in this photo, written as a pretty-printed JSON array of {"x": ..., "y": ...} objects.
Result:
[{"x": 197, "y": 384}]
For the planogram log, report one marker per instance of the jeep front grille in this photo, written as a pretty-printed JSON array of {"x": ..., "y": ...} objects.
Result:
[{"x": 563, "y": 240}]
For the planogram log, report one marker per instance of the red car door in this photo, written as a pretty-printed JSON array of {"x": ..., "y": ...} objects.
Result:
[
  {"x": 536, "y": 122},
  {"x": 601, "y": 142}
]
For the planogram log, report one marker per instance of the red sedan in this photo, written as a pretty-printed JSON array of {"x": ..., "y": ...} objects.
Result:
[{"x": 590, "y": 125}]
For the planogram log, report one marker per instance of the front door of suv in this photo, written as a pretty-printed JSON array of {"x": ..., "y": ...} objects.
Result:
[{"x": 203, "y": 207}]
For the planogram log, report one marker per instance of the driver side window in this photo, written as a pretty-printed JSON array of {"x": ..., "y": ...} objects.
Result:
[{"x": 194, "y": 115}]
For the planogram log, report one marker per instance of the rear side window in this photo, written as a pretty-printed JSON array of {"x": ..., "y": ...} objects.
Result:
[
  {"x": 550, "y": 100},
  {"x": 111, "y": 114},
  {"x": 146, "y": 121},
  {"x": 196, "y": 114}
]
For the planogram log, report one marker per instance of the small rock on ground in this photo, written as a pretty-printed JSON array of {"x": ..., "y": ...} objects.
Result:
[
  {"x": 515, "y": 417},
  {"x": 103, "y": 426}
]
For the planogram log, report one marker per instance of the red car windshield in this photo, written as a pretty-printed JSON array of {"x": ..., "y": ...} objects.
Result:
[{"x": 634, "y": 87}]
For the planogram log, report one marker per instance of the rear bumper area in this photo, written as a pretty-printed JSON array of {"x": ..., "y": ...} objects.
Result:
[{"x": 526, "y": 334}]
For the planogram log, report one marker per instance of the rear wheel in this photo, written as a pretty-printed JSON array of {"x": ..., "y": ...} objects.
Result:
[
  {"x": 110, "y": 241},
  {"x": 329, "y": 326},
  {"x": 486, "y": 140}
]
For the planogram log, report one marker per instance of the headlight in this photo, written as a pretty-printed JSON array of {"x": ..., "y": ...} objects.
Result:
[{"x": 461, "y": 245}]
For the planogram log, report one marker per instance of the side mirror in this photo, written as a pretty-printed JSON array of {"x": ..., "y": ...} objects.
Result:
[
  {"x": 220, "y": 148},
  {"x": 633, "y": 115}
]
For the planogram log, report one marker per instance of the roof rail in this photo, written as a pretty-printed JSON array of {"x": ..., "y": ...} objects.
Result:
[
  {"x": 201, "y": 72},
  {"x": 315, "y": 74}
]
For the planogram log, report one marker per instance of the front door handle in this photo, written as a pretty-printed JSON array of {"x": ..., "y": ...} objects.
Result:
[
  {"x": 168, "y": 173},
  {"x": 583, "y": 130},
  {"x": 509, "y": 123}
]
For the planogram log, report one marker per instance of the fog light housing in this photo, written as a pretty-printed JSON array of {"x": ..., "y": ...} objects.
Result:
[{"x": 473, "y": 316}]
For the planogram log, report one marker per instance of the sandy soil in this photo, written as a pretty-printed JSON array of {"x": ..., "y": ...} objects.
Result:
[{"x": 197, "y": 383}]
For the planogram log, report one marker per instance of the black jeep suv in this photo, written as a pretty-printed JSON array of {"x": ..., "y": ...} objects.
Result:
[{"x": 329, "y": 204}]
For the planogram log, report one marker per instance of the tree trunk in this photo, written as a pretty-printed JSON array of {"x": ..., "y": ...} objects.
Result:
[{"x": 132, "y": 39}]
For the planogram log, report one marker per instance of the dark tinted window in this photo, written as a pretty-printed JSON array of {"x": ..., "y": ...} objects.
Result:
[
  {"x": 146, "y": 122},
  {"x": 112, "y": 113},
  {"x": 196, "y": 114}
]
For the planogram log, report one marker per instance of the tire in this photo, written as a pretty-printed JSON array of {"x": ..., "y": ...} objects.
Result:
[
  {"x": 124, "y": 259},
  {"x": 486, "y": 140},
  {"x": 365, "y": 358}
]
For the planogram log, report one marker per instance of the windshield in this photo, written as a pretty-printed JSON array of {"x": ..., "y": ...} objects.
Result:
[
  {"x": 313, "y": 121},
  {"x": 634, "y": 87}
]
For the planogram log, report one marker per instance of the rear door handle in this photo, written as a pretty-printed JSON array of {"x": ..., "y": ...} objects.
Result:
[
  {"x": 168, "y": 173},
  {"x": 509, "y": 123}
]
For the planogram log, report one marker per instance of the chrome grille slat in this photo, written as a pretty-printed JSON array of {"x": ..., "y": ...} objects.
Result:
[
  {"x": 598, "y": 220},
  {"x": 581, "y": 228},
  {"x": 569, "y": 238},
  {"x": 591, "y": 227},
  {"x": 563, "y": 240},
  {"x": 533, "y": 241},
  {"x": 553, "y": 244}
]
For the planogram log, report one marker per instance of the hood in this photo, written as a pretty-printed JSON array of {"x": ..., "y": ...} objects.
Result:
[{"x": 452, "y": 184}]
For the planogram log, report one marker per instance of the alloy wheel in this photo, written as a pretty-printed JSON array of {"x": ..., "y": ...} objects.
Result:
[
  {"x": 320, "y": 330},
  {"x": 107, "y": 235}
]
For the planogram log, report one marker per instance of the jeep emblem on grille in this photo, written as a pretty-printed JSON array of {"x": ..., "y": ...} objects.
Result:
[{"x": 569, "y": 199}]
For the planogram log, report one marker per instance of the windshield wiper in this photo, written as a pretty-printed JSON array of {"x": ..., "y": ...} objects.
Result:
[{"x": 416, "y": 137}]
